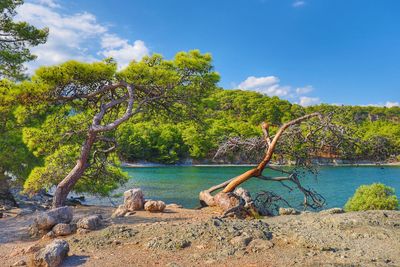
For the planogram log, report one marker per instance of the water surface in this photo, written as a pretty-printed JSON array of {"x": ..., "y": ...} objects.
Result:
[{"x": 182, "y": 184}]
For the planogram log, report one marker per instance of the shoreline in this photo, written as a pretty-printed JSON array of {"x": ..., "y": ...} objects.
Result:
[{"x": 149, "y": 165}]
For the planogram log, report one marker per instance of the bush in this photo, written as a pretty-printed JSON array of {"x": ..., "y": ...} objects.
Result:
[{"x": 376, "y": 196}]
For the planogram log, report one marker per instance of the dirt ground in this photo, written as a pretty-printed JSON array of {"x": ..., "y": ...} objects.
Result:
[{"x": 182, "y": 237}]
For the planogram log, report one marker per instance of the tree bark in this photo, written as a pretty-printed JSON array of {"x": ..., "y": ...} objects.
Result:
[{"x": 66, "y": 185}]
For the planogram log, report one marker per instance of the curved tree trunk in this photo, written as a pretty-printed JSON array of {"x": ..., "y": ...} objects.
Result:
[
  {"x": 66, "y": 185},
  {"x": 229, "y": 186}
]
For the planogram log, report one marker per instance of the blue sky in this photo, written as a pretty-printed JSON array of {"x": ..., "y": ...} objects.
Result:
[{"x": 309, "y": 52}]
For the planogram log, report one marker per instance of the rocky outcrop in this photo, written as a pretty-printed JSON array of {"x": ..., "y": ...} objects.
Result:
[
  {"x": 119, "y": 212},
  {"x": 154, "y": 206},
  {"x": 134, "y": 199},
  {"x": 52, "y": 255}
]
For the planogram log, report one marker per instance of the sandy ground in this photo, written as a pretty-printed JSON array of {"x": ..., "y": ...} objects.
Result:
[{"x": 182, "y": 237}]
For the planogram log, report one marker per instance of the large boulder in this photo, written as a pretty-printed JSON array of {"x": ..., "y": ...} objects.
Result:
[
  {"x": 91, "y": 222},
  {"x": 52, "y": 255},
  {"x": 46, "y": 220},
  {"x": 154, "y": 206},
  {"x": 134, "y": 199}
]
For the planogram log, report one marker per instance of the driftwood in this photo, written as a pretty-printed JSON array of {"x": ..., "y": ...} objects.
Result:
[{"x": 311, "y": 198}]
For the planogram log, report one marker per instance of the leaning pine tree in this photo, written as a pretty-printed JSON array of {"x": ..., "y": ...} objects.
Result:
[{"x": 73, "y": 110}]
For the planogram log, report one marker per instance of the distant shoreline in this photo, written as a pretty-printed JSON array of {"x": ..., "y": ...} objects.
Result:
[{"x": 150, "y": 164}]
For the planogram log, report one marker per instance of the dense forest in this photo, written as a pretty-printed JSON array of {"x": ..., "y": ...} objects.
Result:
[{"x": 228, "y": 113}]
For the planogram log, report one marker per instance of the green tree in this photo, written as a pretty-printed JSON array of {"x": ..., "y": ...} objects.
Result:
[
  {"x": 376, "y": 196},
  {"x": 15, "y": 40},
  {"x": 85, "y": 103}
]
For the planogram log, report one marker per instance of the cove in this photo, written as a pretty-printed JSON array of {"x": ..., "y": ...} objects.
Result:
[{"x": 181, "y": 184}]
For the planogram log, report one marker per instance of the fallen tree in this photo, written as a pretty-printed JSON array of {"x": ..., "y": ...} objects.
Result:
[{"x": 301, "y": 139}]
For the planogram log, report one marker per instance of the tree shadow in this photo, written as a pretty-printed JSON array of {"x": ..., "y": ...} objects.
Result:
[{"x": 75, "y": 260}]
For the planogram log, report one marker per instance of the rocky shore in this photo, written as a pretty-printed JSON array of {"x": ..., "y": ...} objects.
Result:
[{"x": 183, "y": 237}]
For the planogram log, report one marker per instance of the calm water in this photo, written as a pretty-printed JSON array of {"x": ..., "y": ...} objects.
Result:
[{"x": 182, "y": 184}]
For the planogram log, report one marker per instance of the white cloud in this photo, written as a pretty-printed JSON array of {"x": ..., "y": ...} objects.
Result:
[
  {"x": 304, "y": 90},
  {"x": 121, "y": 50},
  {"x": 75, "y": 36},
  {"x": 388, "y": 104},
  {"x": 309, "y": 101},
  {"x": 268, "y": 85},
  {"x": 49, "y": 3},
  {"x": 298, "y": 3}
]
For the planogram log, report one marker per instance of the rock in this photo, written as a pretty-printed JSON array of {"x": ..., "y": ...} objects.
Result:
[
  {"x": 62, "y": 229},
  {"x": 46, "y": 220},
  {"x": 258, "y": 245},
  {"x": 1, "y": 215},
  {"x": 332, "y": 211},
  {"x": 52, "y": 255},
  {"x": 226, "y": 201},
  {"x": 154, "y": 206},
  {"x": 49, "y": 235},
  {"x": 241, "y": 241},
  {"x": 134, "y": 199},
  {"x": 288, "y": 211},
  {"x": 119, "y": 212},
  {"x": 91, "y": 222},
  {"x": 20, "y": 263}
]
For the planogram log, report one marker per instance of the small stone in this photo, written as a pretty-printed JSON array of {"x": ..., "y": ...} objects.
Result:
[
  {"x": 119, "y": 212},
  {"x": 130, "y": 213},
  {"x": 133, "y": 199},
  {"x": 20, "y": 263},
  {"x": 91, "y": 222},
  {"x": 52, "y": 255},
  {"x": 154, "y": 206},
  {"x": 241, "y": 241},
  {"x": 258, "y": 245},
  {"x": 62, "y": 229},
  {"x": 288, "y": 211},
  {"x": 50, "y": 235}
]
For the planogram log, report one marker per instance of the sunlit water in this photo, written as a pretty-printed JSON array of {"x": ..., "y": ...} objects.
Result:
[{"x": 182, "y": 185}]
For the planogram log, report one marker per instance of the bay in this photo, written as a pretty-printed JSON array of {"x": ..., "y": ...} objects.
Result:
[{"x": 182, "y": 184}]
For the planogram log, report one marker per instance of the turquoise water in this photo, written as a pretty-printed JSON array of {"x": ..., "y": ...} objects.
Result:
[{"x": 182, "y": 184}]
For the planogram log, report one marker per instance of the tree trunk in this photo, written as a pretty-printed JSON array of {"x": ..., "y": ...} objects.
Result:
[
  {"x": 66, "y": 185},
  {"x": 206, "y": 199}
]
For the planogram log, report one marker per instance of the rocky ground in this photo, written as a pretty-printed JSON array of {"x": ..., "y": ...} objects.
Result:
[{"x": 181, "y": 237}]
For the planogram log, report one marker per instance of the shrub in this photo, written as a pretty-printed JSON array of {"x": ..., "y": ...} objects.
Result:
[{"x": 376, "y": 196}]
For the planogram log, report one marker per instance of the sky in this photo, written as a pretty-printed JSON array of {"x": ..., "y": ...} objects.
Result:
[{"x": 308, "y": 52}]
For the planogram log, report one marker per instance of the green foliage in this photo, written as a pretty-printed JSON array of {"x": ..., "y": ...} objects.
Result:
[
  {"x": 376, "y": 196},
  {"x": 57, "y": 115},
  {"x": 15, "y": 40}
]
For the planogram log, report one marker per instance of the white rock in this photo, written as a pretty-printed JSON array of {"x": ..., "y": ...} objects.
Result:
[
  {"x": 154, "y": 206},
  {"x": 119, "y": 212},
  {"x": 134, "y": 199}
]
